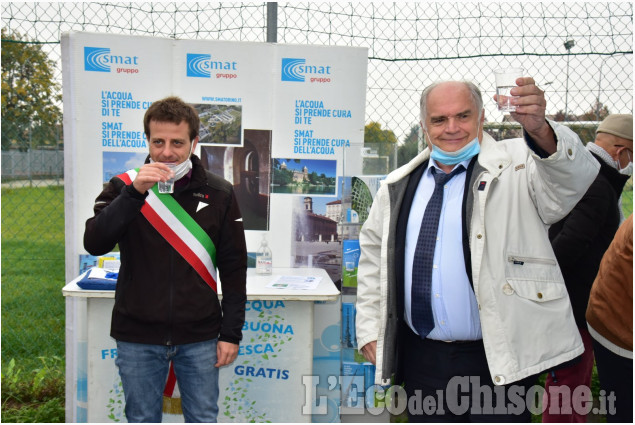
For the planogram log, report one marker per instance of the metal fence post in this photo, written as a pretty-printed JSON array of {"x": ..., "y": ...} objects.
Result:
[{"x": 272, "y": 22}]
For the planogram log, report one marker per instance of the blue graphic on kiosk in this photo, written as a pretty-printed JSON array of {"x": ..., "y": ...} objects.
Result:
[
  {"x": 94, "y": 59},
  {"x": 296, "y": 69},
  {"x": 201, "y": 65},
  {"x": 100, "y": 59}
]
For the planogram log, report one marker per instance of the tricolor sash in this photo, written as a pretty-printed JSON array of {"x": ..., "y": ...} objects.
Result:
[
  {"x": 179, "y": 229},
  {"x": 171, "y": 394}
]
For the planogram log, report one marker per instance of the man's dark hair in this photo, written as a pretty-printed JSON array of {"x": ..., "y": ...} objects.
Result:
[{"x": 172, "y": 109}]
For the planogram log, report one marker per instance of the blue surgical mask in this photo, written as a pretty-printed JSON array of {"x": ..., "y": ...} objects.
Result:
[{"x": 450, "y": 158}]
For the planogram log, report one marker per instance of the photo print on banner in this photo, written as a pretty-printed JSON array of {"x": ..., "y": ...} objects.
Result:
[
  {"x": 304, "y": 176},
  {"x": 220, "y": 124},
  {"x": 316, "y": 234},
  {"x": 247, "y": 168}
]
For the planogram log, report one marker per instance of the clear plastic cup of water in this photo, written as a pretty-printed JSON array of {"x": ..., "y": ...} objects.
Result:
[
  {"x": 505, "y": 81},
  {"x": 167, "y": 186}
]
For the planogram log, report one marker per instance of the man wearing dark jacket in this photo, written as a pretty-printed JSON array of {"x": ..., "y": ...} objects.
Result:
[
  {"x": 166, "y": 304},
  {"x": 579, "y": 242}
]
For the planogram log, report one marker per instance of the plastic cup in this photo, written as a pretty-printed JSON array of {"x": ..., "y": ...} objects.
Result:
[
  {"x": 167, "y": 186},
  {"x": 505, "y": 81}
]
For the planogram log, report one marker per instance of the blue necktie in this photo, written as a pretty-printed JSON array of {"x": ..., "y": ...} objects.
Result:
[{"x": 421, "y": 308}]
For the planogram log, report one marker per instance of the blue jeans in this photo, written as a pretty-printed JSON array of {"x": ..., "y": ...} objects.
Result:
[{"x": 144, "y": 369}]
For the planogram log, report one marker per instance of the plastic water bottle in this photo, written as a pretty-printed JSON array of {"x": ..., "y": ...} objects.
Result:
[{"x": 263, "y": 257}]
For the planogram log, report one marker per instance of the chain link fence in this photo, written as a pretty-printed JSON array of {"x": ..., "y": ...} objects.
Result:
[{"x": 579, "y": 53}]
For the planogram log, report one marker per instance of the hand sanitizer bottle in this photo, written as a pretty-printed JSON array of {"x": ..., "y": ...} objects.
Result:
[{"x": 263, "y": 257}]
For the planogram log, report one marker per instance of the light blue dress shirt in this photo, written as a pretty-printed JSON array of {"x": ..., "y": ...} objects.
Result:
[{"x": 454, "y": 305}]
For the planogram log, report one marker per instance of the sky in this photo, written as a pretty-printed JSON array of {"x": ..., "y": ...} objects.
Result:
[{"x": 319, "y": 203}]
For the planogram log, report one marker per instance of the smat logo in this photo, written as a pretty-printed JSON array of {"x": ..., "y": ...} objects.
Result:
[
  {"x": 100, "y": 59},
  {"x": 296, "y": 69},
  {"x": 201, "y": 65}
]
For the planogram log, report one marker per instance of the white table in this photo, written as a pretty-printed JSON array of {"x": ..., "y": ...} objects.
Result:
[{"x": 264, "y": 383}]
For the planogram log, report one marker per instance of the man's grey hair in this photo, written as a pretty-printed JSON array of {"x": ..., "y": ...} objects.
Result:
[{"x": 475, "y": 93}]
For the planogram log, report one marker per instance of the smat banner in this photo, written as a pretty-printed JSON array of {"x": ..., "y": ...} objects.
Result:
[{"x": 282, "y": 123}]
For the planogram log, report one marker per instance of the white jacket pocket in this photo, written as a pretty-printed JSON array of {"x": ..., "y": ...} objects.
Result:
[
  {"x": 538, "y": 291},
  {"x": 534, "y": 278}
]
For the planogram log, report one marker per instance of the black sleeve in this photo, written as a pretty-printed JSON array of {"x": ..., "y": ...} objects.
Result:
[
  {"x": 115, "y": 207},
  {"x": 580, "y": 228},
  {"x": 231, "y": 260},
  {"x": 531, "y": 143}
]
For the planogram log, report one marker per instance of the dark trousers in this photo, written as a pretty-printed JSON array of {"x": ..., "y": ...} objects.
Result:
[
  {"x": 616, "y": 379},
  {"x": 450, "y": 382}
]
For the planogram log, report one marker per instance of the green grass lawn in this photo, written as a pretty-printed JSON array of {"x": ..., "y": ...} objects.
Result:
[
  {"x": 32, "y": 274},
  {"x": 32, "y": 304},
  {"x": 627, "y": 199}
]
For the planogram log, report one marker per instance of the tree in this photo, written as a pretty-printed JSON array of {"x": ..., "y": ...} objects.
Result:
[
  {"x": 384, "y": 141},
  {"x": 559, "y": 116},
  {"x": 282, "y": 177},
  {"x": 598, "y": 112},
  {"x": 30, "y": 95},
  {"x": 220, "y": 132},
  {"x": 409, "y": 148}
]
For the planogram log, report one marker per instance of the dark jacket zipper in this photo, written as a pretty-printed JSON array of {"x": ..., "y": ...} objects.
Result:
[{"x": 171, "y": 300}]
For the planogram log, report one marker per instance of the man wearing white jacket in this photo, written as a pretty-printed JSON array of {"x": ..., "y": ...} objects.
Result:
[{"x": 459, "y": 302}]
